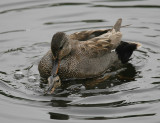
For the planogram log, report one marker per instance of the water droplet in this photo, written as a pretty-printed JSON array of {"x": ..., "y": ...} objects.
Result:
[
  {"x": 82, "y": 87},
  {"x": 32, "y": 79},
  {"x": 112, "y": 84},
  {"x": 18, "y": 75}
]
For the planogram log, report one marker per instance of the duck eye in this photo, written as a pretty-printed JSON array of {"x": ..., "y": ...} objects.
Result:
[{"x": 60, "y": 47}]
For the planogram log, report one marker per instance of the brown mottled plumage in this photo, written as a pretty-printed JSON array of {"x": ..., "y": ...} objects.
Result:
[{"x": 85, "y": 54}]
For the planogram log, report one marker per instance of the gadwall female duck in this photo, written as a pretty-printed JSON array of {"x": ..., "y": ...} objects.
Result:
[{"x": 85, "y": 54}]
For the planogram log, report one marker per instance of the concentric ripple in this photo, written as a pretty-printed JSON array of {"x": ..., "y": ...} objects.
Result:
[{"x": 130, "y": 94}]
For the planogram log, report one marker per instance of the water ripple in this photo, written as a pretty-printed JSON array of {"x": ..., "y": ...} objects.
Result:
[
  {"x": 43, "y": 6},
  {"x": 128, "y": 95},
  {"x": 125, "y": 6}
]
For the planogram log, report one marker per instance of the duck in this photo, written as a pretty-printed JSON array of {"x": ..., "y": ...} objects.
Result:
[{"x": 85, "y": 54}]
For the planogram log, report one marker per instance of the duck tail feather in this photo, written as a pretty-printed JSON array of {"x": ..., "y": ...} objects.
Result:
[
  {"x": 125, "y": 50},
  {"x": 117, "y": 25}
]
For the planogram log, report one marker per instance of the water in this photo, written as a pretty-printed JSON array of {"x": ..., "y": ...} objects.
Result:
[{"x": 27, "y": 27}]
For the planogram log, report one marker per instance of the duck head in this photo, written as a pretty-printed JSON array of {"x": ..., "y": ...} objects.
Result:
[{"x": 60, "y": 47}]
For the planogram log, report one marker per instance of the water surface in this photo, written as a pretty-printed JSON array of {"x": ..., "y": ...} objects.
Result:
[{"x": 27, "y": 27}]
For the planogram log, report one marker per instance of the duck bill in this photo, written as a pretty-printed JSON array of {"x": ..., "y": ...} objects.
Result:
[
  {"x": 55, "y": 67},
  {"x": 54, "y": 80}
]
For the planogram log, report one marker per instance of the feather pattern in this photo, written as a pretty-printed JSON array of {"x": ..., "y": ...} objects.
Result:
[{"x": 86, "y": 54}]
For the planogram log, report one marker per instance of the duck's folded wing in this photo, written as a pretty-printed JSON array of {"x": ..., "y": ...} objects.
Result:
[
  {"x": 95, "y": 49},
  {"x": 104, "y": 43},
  {"x": 101, "y": 45},
  {"x": 89, "y": 34}
]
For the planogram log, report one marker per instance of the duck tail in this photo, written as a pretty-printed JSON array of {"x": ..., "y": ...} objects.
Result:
[
  {"x": 117, "y": 25},
  {"x": 125, "y": 50}
]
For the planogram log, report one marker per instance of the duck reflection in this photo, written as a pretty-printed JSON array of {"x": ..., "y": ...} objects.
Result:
[{"x": 126, "y": 73}]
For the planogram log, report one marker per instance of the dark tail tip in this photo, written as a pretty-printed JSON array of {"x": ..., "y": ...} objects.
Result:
[
  {"x": 117, "y": 25},
  {"x": 125, "y": 50}
]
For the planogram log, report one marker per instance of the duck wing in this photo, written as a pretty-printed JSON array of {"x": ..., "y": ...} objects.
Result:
[
  {"x": 89, "y": 34},
  {"x": 104, "y": 43}
]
